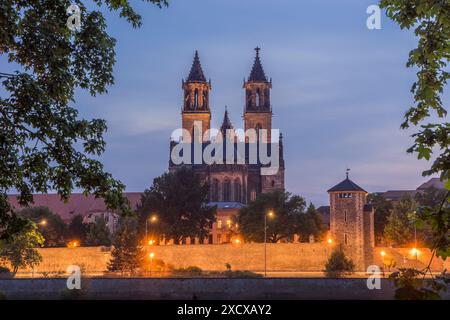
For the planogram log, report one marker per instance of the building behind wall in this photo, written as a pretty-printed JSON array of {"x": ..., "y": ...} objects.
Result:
[{"x": 232, "y": 185}]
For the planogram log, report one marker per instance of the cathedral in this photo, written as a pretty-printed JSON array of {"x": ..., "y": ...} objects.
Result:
[{"x": 237, "y": 182}]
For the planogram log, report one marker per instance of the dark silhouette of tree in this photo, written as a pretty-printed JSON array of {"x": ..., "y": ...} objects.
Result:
[
  {"x": 180, "y": 201},
  {"x": 382, "y": 208},
  {"x": 77, "y": 230},
  {"x": 98, "y": 233},
  {"x": 287, "y": 211},
  {"x": 128, "y": 254},
  {"x": 49, "y": 224},
  {"x": 43, "y": 142}
]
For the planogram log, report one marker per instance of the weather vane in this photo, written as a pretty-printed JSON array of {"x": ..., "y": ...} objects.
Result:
[{"x": 347, "y": 172}]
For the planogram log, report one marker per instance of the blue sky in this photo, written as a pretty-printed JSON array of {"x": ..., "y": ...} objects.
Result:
[{"x": 339, "y": 90}]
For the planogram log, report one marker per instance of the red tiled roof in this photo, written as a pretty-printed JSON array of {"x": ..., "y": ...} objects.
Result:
[{"x": 77, "y": 203}]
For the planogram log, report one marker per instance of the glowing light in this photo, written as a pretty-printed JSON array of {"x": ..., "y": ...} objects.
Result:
[
  {"x": 270, "y": 214},
  {"x": 43, "y": 222},
  {"x": 153, "y": 218},
  {"x": 151, "y": 242},
  {"x": 151, "y": 255},
  {"x": 330, "y": 241},
  {"x": 383, "y": 253},
  {"x": 237, "y": 241},
  {"x": 73, "y": 244},
  {"x": 414, "y": 252}
]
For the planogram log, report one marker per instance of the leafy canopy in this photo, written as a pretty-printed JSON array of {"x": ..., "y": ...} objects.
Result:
[
  {"x": 44, "y": 144},
  {"x": 180, "y": 201},
  {"x": 287, "y": 212},
  {"x": 20, "y": 249}
]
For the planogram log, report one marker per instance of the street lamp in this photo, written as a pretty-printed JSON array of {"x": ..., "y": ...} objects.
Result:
[
  {"x": 43, "y": 222},
  {"x": 383, "y": 254},
  {"x": 270, "y": 215},
  {"x": 153, "y": 219},
  {"x": 151, "y": 255}
]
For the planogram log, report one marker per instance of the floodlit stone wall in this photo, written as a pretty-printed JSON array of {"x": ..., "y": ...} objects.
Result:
[{"x": 280, "y": 257}]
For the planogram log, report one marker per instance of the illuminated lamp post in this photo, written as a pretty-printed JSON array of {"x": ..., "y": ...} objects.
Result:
[
  {"x": 270, "y": 215},
  {"x": 153, "y": 219}
]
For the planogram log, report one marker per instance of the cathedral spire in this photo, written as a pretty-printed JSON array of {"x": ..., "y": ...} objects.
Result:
[
  {"x": 257, "y": 74},
  {"x": 196, "y": 73},
  {"x": 226, "y": 123}
]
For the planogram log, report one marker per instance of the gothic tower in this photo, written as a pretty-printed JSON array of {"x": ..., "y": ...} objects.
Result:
[
  {"x": 352, "y": 222},
  {"x": 196, "y": 101},
  {"x": 258, "y": 111}
]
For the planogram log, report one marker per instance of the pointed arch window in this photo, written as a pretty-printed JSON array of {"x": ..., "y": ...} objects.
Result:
[
  {"x": 226, "y": 190},
  {"x": 258, "y": 98},
  {"x": 215, "y": 190},
  {"x": 196, "y": 98}
]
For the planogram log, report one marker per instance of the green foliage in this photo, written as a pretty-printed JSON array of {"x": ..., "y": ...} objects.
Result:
[
  {"x": 43, "y": 142},
  {"x": 77, "y": 229},
  {"x": 127, "y": 255},
  {"x": 399, "y": 230},
  {"x": 179, "y": 199},
  {"x": 431, "y": 197},
  {"x": 191, "y": 271},
  {"x": 19, "y": 250},
  {"x": 412, "y": 285},
  {"x": 287, "y": 209},
  {"x": 338, "y": 265},
  {"x": 54, "y": 230},
  {"x": 310, "y": 223},
  {"x": 241, "y": 274},
  {"x": 382, "y": 209},
  {"x": 98, "y": 233},
  {"x": 431, "y": 23}
]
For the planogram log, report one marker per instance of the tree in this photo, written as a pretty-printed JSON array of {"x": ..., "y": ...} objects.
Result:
[
  {"x": 399, "y": 230},
  {"x": 19, "y": 250},
  {"x": 50, "y": 225},
  {"x": 430, "y": 20},
  {"x": 311, "y": 223},
  {"x": 338, "y": 265},
  {"x": 77, "y": 229},
  {"x": 98, "y": 233},
  {"x": 180, "y": 200},
  {"x": 43, "y": 143},
  {"x": 430, "y": 197},
  {"x": 382, "y": 209},
  {"x": 287, "y": 210},
  {"x": 128, "y": 253}
]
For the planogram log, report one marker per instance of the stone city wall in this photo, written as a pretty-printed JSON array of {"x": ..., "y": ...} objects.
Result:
[{"x": 280, "y": 257}]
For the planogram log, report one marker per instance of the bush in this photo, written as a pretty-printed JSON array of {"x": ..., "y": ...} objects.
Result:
[
  {"x": 5, "y": 273},
  {"x": 191, "y": 271},
  {"x": 338, "y": 265},
  {"x": 241, "y": 274}
]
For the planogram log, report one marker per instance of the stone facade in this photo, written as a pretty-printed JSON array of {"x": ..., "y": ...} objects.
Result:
[
  {"x": 352, "y": 222},
  {"x": 231, "y": 182}
]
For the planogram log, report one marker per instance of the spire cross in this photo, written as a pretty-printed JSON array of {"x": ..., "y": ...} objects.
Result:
[
  {"x": 257, "y": 49},
  {"x": 347, "y": 172}
]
